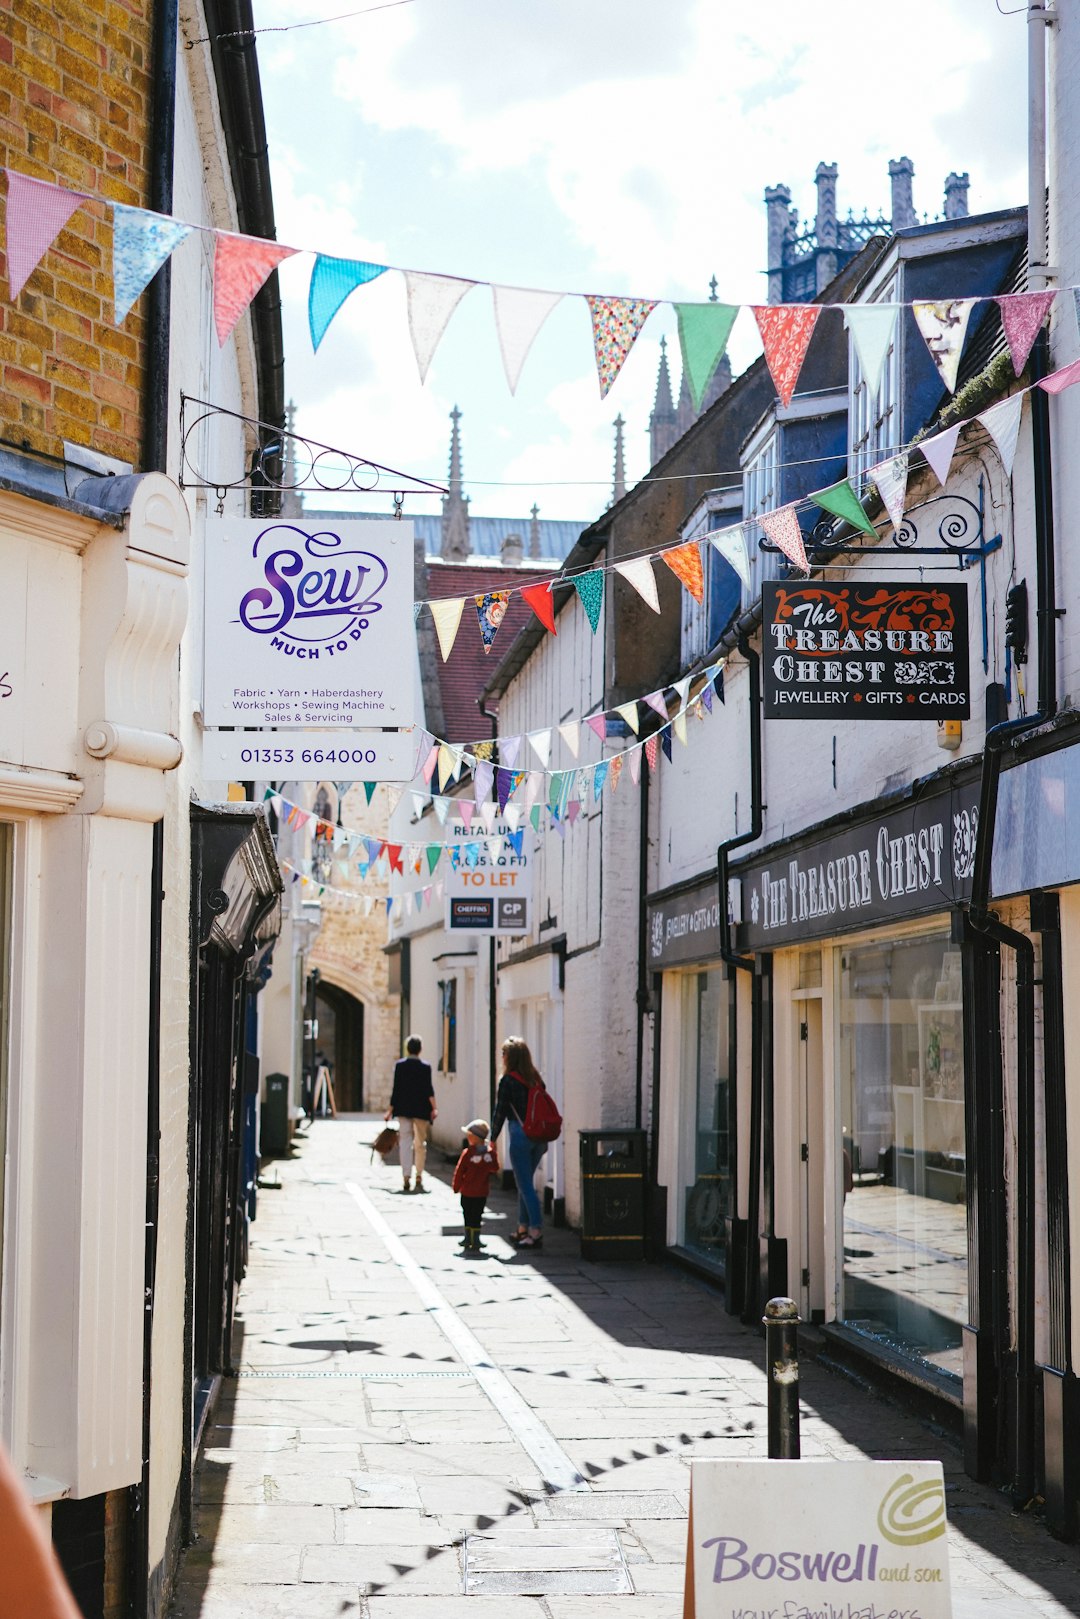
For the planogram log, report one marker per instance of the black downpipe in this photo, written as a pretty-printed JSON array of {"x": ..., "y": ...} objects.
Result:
[
  {"x": 159, "y": 296},
  {"x": 642, "y": 993}
]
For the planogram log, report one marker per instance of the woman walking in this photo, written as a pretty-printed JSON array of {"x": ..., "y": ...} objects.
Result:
[{"x": 511, "y": 1105}]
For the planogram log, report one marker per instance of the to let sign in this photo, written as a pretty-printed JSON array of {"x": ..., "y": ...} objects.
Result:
[
  {"x": 865, "y": 651},
  {"x": 489, "y": 884}
]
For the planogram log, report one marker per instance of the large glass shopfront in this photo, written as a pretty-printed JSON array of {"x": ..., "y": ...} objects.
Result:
[
  {"x": 901, "y": 1074},
  {"x": 705, "y": 1079}
]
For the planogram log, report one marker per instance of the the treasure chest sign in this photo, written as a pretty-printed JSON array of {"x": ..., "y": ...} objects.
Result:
[{"x": 817, "y": 1540}]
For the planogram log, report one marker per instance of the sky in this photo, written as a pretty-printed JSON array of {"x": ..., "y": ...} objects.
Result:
[{"x": 588, "y": 146}]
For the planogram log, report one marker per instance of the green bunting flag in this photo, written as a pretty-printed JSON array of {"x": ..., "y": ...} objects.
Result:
[
  {"x": 369, "y": 789},
  {"x": 590, "y": 587},
  {"x": 843, "y": 502},
  {"x": 704, "y": 330}
]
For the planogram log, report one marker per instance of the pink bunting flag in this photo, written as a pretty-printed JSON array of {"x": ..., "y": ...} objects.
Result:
[
  {"x": 241, "y": 266},
  {"x": 652, "y": 751},
  {"x": 635, "y": 766},
  {"x": 656, "y": 702},
  {"x": 616, "y": 323},
  {"x": 782, "y": 528},
  {"x": 36, "y": 214},
  {"x": 1058, "y": 381},
  {"x": 598, "y": 723},
  {"x": 786, "y": 330},
  {"x": 1022, "y": 314}
]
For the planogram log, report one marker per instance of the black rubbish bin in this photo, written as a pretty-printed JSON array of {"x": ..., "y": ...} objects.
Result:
[
  {"x": 613, "y": 1194},
  {"x": 274, "y": 1134}
]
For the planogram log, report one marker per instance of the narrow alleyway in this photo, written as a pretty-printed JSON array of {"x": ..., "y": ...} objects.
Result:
[{"x": 416, "y": 1433}]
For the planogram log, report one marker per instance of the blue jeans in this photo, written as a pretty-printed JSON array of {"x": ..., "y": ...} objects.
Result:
[{"x": 524, "y": 1157}]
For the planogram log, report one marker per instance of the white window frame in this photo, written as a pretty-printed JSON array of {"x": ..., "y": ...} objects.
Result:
[
  {"x": 761, "y": 493},
  {"x": 874, "y": 422},
  {"x": 721, "y": 508}
]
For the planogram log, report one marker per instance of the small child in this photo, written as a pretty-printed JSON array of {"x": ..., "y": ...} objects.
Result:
[{"x": 472, "y": 1178}]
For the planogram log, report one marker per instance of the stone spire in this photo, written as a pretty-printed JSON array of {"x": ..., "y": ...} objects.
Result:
[
  {"x": 292, "y": 503},
  {"x": 901, "y": 174},
  {"x": 781, "y": 218},
  {"x": 534, "y": 533},
  {"x": 618, "y": 488},
  {"x": 825, "y": 224},
  {"x": 663, "y": 428},
  {"x": 455, "y": 506},
  {"x": 956, "y": 195}
]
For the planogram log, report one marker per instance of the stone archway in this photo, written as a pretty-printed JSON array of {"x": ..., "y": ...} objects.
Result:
[{"x": 341, "y": 1039}]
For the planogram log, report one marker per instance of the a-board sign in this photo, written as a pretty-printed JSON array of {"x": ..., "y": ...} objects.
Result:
[
  {"x": 865, "y": 651},
  {"x": 835, "y": 1540},
  {"x": 308, "y": 623},
  {"x": 489, "y": 883}
]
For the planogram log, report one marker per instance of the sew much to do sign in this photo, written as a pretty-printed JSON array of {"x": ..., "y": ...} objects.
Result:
[{"x": 817, "y": 1540}]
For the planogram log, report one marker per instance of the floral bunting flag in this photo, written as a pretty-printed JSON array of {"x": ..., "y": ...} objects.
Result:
[
  {"x": 504, "y": 786},
  {"x": 519, "y": 314},
  {"x": 842, "y": 501},
  {"x": 872, "y": 328},
  {"x": 393, "y": 797},
  {"x": 704, "y": 330},
  {"x": 616, "y": 323},
  {"x": 939, "y": 452},
  {"x": 142, "y": 241},
  {"x": 635, "y": 764},
  {"x": 1002, "y": 422},
  {"x": 652, "y": 750},
  {"x": 598, "y": 723},
  {"x": 483, "y": 776},
  {"x": 782, "y": 528},
  {"x": 786, "y": 330},
  {"x": 36, "y": 214},
  {"x": 490, "y": 612},
  {"x": 890, "y": 478},
  {"x": 639, "y": 573},
  {"x": 509, "y": 748},
  {"x": 241, "y": 265},
  {"x": 332, "y": 280},
  {"x": 943, "y": 324},
  {"x": 685, "y": 563},
  {"x": 432, "y": 299},
  {"x": 571, "y": 735},
  {"x": 1022, "y": 314},
  {"x": 599, "y": 776},
  {"x": 485, "y": 749},
  {"x": 540, "y": 742},
  {"x": 447, "y": 616},
  {"x": 616, "y": 770},
  {"x": 541, "y": 601},
  {"x": 730, "y": 543},
  {"x": 629, "y": 712},
  {"x": 590, "y": 589}
]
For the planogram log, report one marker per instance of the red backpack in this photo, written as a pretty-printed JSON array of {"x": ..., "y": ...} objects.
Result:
[{"x": 543, "y": 1121}]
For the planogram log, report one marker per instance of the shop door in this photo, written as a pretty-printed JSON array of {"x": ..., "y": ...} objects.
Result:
[{"x": 812, "y": 1155}]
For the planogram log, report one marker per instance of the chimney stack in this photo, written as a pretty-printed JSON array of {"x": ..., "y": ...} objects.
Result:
[
  {"x": 901, "y": 173},
  {"x": 778, "y": 213},
  {"x": 956, "y": 196}
]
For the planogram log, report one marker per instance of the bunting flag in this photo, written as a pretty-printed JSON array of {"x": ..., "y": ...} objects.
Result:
[
  {"x": 465, "y": 811},
  {"x": 393, "y": 854},
  {"x": 730, "y": 543},
  {"x": 616, "y": 323},
  {"x": 639, "y": 573},
  {"x": 241, "y": 265},
  {"x": 540, "y": 742},
  {"x": 890, "y": 477},
  {"x": 370, "y": 786},
  {"x": 657, "y": 703},
  {"x": 782, "y": 528},
  {"x": 1002, "y": 422},
  {"x": 534, "y": 817},
  {"x": 635, "y": 764},
  {"x": 706, "y": 699},
  {"x": 573, "y": 810},
  {"x": 598, "y": 724},
  {"x": 332, "y": 280},
  {"x": 142, "y": 241},
  {"x": 842, "y": 501},
  {"x": 36, "y": 214},
  {"x": 432, "y": 299},
  {"x": 447, "y": 616},
  {"x": 483, "y": 776},
  {"x": 616, "y": 770},
  {"x": 685, "y": 563},
  {"x": 488, "y": 813},
  {"x": 434, "y": 855},
  {"x": 943, "y": 325},
  {"x": 665, "y": 737},
  {"x": 704, "y": 330},
  {"x": 519, "y": 314},
  {"x": 652, "y": 751},
  {"x": 679, "y": 724},
  {"x": 513, "y": 811},
  {"x": 542, "y": 602},
  {"x": 1058, "y": 381},
  {"x": 1022, "y": 314},
  {"x": 516, "y": 840},
  {"x": 872, "y": 327},
  {"x": 447, "y": 765},
  {"x": 504, "y": 786},
  {"x": 590, "y": 588},
  {"x": 490, "y": 612},
  {"x": 939, "y": 452},
  {"x": 509, "y": 748},
  {"x": 682, "y": 690},
  {"x": 786, "y": 330},
  {"x": 629, "y": 713},
  {"x": 442, "y": 808},
  {"x": 571, "y": 735},
  {"x": 599, "y": 776},
  {"x": 419, "y": 801}
]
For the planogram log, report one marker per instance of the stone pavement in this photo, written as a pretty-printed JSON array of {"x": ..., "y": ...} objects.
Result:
[{"x": 414, "y": 1434}]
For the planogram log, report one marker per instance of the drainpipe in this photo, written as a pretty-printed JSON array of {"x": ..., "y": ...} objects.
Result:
[
  {"x": 642, "y": 993},
  {"x": 493, "y": 967}
]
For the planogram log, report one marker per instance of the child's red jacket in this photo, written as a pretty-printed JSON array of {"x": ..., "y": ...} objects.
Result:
[{"x": 474, "y": 1170}]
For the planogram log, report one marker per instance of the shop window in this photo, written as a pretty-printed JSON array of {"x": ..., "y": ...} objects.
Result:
[
  {"x": 902, "y": 1116},
  {"x": 448, "y": 1026},
  {"x": 708, "y": 1196}
]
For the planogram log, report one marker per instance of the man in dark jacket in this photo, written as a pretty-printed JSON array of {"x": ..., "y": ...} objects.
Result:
[{"x": 412, "y": 1103}]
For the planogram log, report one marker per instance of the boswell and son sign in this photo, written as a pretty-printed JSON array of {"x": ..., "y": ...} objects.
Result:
[{"x": 865, "y": 651}]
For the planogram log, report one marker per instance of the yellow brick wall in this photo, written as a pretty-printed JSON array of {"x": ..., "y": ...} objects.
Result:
[{"x": 75, "y": 103}]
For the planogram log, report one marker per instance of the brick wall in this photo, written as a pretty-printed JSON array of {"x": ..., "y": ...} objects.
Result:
[{"x": 74, "y": 109}]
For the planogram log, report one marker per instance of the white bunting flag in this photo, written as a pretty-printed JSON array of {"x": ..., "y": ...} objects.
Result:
[
  {"x": 629, "y": 713},
  {"x": 639, "y": 573},
  {"x": 939, "y": 452},
  {"x": 540, "y": 742},
  {"x": 519, "y": 314},
  {"x": 682, "y": 689},
  {"x": 534, "y": 786},
  {"x": 1002, "y": 422},
  {"x": 419, "y": 803},
  {"x": 483, "y": 777},
  {"x": 872, "y": 327},
  {"x": 432, "y": 300},
  {"x": 571, "y": 735},
  {"x": 782, "y": 528},
  {"x": 447, "y": 616},
  {"x": 943, "y": 325},
  {"x": 494, "y": 847},
  {"x": 891, "y": 480},
  {"x": 514, "y": 815},
  {"x": 393, "y": 798},
  {"x": 635, "y": 765},
  {"x": 731, "y": 544},
  {"x": 488, "y": 813},
  {"x": 509, "y": 748},
  {"x": 678, "y": 725},
  {"x": 442, "y": 808}
]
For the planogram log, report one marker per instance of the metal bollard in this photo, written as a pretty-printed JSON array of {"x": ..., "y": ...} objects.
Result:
[{"x": 781, "y": 1321}]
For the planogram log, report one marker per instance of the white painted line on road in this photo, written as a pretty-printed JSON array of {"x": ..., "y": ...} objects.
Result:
[{"x": 555, "y": 1466}]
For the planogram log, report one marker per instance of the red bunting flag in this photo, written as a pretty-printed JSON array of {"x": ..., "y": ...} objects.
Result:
[
  {"x": 685, "y": 563},
  {"x": 786, "y": 330},
  {"x": 241, "y": 265},
  {"x": 540, "y": 600},
  {"x": 393, "y": 853},
  {"x": 652, "y": 747}
]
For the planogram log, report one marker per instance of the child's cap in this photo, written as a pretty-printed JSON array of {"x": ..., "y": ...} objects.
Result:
[{"x": 478, "y": 1127}]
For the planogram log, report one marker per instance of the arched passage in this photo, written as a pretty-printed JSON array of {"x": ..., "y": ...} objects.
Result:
[{"x": 341, "y": 1039}]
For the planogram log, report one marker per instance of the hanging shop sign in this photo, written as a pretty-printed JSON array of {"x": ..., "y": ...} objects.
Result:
[
  {"x": 308, "y": 623},
  {"x": 865, "y": 651},
  {"x": 489, "y": 885},
  {"x": 843, "y": 1540},
  {"x": 1037, "y": 827},
  {"x": 905, "y": 862},
  {"x": 684, "y": 927}
]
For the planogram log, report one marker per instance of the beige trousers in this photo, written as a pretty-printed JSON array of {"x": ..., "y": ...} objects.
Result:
[{"x": 412, "y": 1143}]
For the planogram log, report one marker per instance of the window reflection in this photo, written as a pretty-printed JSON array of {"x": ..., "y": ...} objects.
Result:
[{"x": 708, "y": 1199}]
